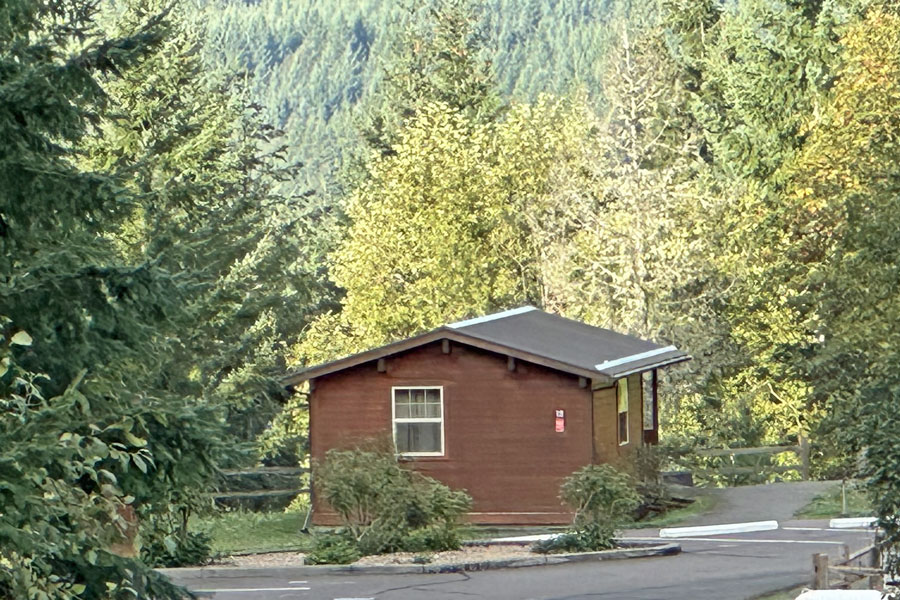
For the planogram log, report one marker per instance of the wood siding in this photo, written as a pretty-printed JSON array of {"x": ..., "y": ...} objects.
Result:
[
  {"x": 500, "y": 443},
  {"x": 605, "y": 422}
]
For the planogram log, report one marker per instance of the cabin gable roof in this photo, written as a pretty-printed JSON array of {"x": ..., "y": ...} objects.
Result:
[{"x": 535, "y": 336}]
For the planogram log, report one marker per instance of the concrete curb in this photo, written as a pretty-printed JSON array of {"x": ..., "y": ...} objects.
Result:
[
  {"x": 678, "y": 532},
  {"x": 853, "y": 522},
  {"x": 636, "y": 551}
]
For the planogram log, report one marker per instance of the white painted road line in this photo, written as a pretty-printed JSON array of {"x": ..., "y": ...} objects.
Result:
[
  {"x": 737, "y": 540},
  {"x": 853, "y": 522},
  {"x": 840, "y": 595},
  {"x": 295, "y": 582},
  {"x": 842, "y": 530},
  {"x": 235, "y": 590},
  {"x": 673, "y": 532}
]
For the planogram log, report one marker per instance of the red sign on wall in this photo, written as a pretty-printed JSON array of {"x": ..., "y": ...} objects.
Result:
[{"x": 560, "y": 420}]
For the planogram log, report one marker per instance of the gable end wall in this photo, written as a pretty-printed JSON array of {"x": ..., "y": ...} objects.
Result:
[{"x": 500, "y": 442}]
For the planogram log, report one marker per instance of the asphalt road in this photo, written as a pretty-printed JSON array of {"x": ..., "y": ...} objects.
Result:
[{"x": 734, "y": 566}]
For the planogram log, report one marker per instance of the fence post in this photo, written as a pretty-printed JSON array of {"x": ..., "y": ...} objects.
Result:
[
  {"x": 876, "y": 582},
  {"x": 820, "y": 570},
  {"x": 804, "y": 456}
]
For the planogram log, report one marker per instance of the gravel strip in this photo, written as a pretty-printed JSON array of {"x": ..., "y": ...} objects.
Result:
[
  {"x": 269, "y": 559},
  {"x": 466, "y": 554}
]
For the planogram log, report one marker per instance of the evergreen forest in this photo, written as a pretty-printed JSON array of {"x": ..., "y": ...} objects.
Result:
[{"x": 197, "y": 197}]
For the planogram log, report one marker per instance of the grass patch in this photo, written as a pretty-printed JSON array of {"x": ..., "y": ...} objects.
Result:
[
  {"x": 243, "y": 532},
  {"x": 829, "y": 504}
]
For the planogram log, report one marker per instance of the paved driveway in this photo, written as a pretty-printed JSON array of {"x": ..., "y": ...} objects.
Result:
[{"x": 736, "y": 566}]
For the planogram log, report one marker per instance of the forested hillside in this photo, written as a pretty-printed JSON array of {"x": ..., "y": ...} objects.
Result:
[{"x": 315, "y": 65}]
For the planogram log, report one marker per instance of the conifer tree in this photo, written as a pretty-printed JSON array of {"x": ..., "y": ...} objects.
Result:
[
  {"x": 438, "y": 57},
  {"x": 206, "y": 171},
  {"x": 87, "y": 433}
]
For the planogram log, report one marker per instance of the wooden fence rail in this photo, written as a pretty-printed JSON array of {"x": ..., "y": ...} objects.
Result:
[
  {"x": 801, "y": 450},
  {"x": 265, "y": 471},
  {"x": 262, "y": 488},
  {"x": 860, "y": 570}
]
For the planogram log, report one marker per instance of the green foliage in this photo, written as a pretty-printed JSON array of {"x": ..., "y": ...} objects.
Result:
[
  {"x": 204, "y": 168},
  {"x": 436, "y": 230},
  {"x": 385, "y": 507},
  {"x": 646, "y": 465},
  {"x": 314, "y": 66},
  {"x": 843, "y": 188},
  {"x": 437, "y": 58},
  {"x": 85, "y": 428},
  {"x": 285, "y": 441},
  {"x": 191, "y": 549},
  {"x": 334, "y": 549},
  {"x": 590, "y": 538},
  {"x": 69, "y": 468},
  {"x": 602, "y": 499},
  {"x": 757, "y": 73},
  {"x": 136, "y": 213}
]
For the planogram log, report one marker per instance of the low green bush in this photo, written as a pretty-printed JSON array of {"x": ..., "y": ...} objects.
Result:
[
  {"x": 333, "y": 548},
  {"x": 602, "y": 499},
  {"x": 180, "y": 550},
  {"x": 572, "y": 541},
  {"x": 385, "y": 507}
]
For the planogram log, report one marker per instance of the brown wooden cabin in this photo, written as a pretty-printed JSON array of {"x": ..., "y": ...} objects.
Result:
[{"x": 504, "y": 406}]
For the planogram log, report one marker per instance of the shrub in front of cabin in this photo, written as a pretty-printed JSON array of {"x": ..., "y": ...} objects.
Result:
[
  {"x": 602, "y": 500},
  {"x": 190, "y": 549},
  {"x": 384, "y": 507}
]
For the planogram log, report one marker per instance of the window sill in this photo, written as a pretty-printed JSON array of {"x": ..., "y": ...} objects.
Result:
[{"x": 421, "y": 457}]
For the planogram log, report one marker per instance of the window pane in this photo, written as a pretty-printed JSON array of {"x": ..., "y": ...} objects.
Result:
[
  {"x": 401, "y": 411},
  {"x": 623, "y": 428},
  {"x": 418, "y": 437},
  {"x": 433, "y": 396},
  {"x": 418, "y": 396},
  {"x": 417, "y": 411},
  {"x": 622, "y": 389},
  {"x": 401, "y": 395}
]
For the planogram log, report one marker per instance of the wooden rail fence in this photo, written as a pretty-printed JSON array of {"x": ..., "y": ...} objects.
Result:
[
  {"x": 861, "y": 570},
  {"x": 801, "y": 450},
  {"x": 261, "y": 488}
]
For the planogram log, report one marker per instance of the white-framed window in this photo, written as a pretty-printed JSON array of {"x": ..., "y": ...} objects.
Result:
[
  {"x": 418, "y": 416},
  {"x": 622, "y": 410}
]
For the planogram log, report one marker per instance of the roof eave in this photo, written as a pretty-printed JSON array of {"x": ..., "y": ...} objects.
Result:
[
  {"x": 649, "y": 367},
  {"x": 433, "y": 336},
  {"x": 353, "y": 360}
]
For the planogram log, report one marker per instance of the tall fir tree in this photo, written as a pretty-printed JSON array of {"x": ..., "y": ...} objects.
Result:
[
  {"x": 87, "y": 433},
  {"x": 439, "y": 56},
  {"x": 207, "y": 173}
]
